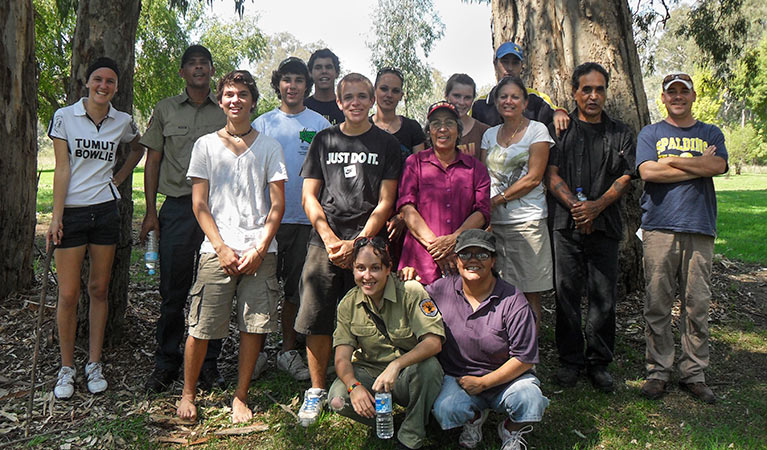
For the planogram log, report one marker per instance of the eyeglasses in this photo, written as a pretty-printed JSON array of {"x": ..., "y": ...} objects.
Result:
[
  {"x": 447, "y": 123},
  {"x": 376, "y": 241},
  {"x": 676, "y": 76},
  {"x": 479, "y": 256}
]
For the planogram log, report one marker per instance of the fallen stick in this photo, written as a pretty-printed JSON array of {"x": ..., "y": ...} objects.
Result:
[{"x": 40, "y": 313}]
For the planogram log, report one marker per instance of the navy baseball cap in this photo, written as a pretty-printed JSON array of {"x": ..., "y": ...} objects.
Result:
[
  {"x": 509, "y": 48},
  {"x": 195, "y": 50}
]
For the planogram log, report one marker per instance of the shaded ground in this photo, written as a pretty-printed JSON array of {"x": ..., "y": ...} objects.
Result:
[{"x": 124, "y": 417}]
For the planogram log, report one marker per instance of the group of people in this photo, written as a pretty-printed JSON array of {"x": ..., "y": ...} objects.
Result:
[{"x": 413, "y": 256}]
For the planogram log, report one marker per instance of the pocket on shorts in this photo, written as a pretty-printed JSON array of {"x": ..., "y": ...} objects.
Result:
[
  {"x": 274, "y": 291},
  {"x": 194, "y": 308}
]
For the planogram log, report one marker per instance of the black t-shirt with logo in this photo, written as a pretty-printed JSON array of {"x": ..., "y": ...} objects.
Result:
[{"x": 352, "y": 169}]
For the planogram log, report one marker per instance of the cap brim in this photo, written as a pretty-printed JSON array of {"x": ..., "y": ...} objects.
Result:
[{"x": 479, "y": 244}]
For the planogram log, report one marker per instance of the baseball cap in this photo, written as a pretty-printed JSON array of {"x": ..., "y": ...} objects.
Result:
[
  {"x": 195, "y": 50},
  {"x": 109, "y": 63},
  {"x": 509, "y": 48},
  {"x": 442, "y": 104},
  {"x": 475, "y": 237},
  {"x": 677, "y": 77},
  {"x": 293, "y": 64}
]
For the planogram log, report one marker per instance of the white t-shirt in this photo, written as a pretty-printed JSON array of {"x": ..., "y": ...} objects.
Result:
[
  {"x": 92, "y": 151},
  {"x": 238, "y": 188},
  {"x": 506, "y": 165},
  {"x": 294, "y": 132}
]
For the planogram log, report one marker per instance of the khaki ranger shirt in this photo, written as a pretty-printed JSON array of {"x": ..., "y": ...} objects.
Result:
[
  {"x": 407, "y": 311},
  {"x": 175, "y": 126}
]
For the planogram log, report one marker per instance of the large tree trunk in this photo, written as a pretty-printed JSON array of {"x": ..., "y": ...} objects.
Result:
[
  {"x": 108, "y": 28},
  {"x": 18, "y": 133},
  {"x": 557, "y": 36}
]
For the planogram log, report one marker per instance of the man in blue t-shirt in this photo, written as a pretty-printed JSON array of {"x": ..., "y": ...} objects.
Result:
[
  {"x": 677, "y": 158},
  {"x": 294, "y": 126}
]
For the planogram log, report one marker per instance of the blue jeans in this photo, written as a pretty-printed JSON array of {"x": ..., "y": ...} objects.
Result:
[{"x": 522, "y": 400}]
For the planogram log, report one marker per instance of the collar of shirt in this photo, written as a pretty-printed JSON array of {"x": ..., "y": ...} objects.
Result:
[
  {"x": 495, "y": 296},
  {"x": 184, "y": 97},
  {"x": 80, "y": 109},
  {"x": 390, "y": 292},
  {"x": 430, "y": 156}
]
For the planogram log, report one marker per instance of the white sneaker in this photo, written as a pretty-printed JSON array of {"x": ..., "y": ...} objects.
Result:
[
  {"x": 65, "y": 385},
  {"x": 472, "y": 431},
  {"x": 291, "y": 362},
  {"x": 314, "y": 401},
  {"x": 513, "y": 440},
  {"x": 96, "y": 381},
  {"x": 260, "y": 365}
]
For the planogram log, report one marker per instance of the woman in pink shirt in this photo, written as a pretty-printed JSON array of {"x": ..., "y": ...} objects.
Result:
[{"x": 442, "y": 192}]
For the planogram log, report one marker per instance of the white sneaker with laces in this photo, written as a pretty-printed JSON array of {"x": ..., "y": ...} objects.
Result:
[
  {"x": 96, "y": 381},
  {"x": 65, "y": 384},
  {"x": 513, "y": 440},
  {"x": 314, "y": 401},
  {"x": 260, "y": 365},
  {"x": 291, "y": 362},
  {"x": 471, "y": 435}
]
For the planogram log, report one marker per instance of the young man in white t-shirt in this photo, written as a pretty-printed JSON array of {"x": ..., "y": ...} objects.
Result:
[
  {"x": 294, "y": 126},
  {"x": 230, "y": 171}
]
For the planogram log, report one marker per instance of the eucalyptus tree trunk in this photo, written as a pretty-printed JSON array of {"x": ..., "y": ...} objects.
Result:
[
  {"x": 18, "y": 133},
  {"x": 557, "y": 36},
  {"x": 108, "y": 28}
]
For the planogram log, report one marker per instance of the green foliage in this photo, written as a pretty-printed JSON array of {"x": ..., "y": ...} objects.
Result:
[
  {"x": 750, "y": 84},
  {"x": 54, "y": 28},
  {"x": 232, "y": 43},
  {"x": 744, "y": 146},
  {"x": 402, "y": 28}
]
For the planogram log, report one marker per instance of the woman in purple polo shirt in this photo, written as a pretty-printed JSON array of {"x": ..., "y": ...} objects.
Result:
[{"x": 442, "y": 192}]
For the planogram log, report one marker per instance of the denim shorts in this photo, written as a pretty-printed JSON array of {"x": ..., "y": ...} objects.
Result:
[{"x": 94, "y": 224}]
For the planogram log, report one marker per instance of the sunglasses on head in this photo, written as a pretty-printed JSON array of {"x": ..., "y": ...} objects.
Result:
[
  {"x": 376, "y": 241},
  {"x": 676, "y": 76},
  {"x": 466, "y": 255},
  {"x": 386, "y": 70}
]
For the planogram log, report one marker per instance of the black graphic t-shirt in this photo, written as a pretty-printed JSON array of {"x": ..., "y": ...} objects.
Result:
[{"x": 352, "y": 169}]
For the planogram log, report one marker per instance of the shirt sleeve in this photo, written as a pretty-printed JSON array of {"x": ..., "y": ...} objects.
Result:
[
  {"x": 628, "y": 153},
  {"x": 523, "y": 342},
  {"x": 425, "y": 318},
  {"x": 408, "y": 185},
  {"x": 717, "y": 139},
  {"x": 275, "y": 168},
  {"x": 343, "y": 333},
  {"x": 418, "y": 135},
  {"x": 198, "y": 162},
  {"x": 541, "y": 134},
  {"x": 259, "y": 123},
  {"x": 131, "y": 131},
  {"x": 57, "y": 129},
  {"x": 312, "y": 167},
  {"x": 153, "y": 138},
  {"x": 487, "y": 139},
  {"x": 646, "y": 146},
  {"x": 482, "y": 191}
]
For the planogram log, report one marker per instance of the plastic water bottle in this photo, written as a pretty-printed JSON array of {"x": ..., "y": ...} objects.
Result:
[
  {"x": 580, "y": 195},
  {"x": 151, "y": 256},
  {"x": 384, "y": 419}
]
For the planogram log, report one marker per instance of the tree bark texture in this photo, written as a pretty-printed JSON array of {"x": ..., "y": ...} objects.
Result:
[
  {"x": 557, "y": 36},
  {"x": 18, "y": 133},
  {"x": 108, "y": 28}
]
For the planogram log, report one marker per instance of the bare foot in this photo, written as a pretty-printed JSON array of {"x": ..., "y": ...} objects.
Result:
[
  {"x": 240, "y": 411},
  {"x": 186, "y": 409}
]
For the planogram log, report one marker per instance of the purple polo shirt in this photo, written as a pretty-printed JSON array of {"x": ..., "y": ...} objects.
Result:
[
  {"x": 478, "y": 342},
  {"x": 445, "y": 198}
]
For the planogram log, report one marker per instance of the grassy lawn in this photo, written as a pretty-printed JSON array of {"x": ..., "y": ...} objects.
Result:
[{"x": 578, "y": 418}]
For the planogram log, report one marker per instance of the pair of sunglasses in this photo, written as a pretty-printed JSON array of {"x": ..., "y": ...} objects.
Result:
[
  {"x": 676, "y": 76},
  {"x": 480, "y": 256},
  {"x": 376, "y": 241}
]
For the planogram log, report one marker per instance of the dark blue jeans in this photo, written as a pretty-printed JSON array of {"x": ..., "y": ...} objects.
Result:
[
  {"x": 585, "y": 264},
  {"x": 180, "y": 239}
]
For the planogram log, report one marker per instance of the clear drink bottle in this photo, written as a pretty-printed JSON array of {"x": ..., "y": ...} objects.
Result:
[
  {"x": 580, "y": 195},
  {"x": 151, "y": 256},
  {"x": 384, "y": 419}
]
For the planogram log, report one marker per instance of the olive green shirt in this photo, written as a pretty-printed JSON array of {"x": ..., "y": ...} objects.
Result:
[
  {"x": 175, "y": 126},
  {"x": 407, "y": 311}
]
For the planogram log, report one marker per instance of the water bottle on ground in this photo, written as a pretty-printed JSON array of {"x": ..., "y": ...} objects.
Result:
[
  {"x": 384, "y": 419},
  {"x": 580, "y": 195},
  {"x": 151, "y": 256}
]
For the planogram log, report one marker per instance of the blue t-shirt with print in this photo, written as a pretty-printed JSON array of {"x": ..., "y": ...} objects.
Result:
[{"x": 686, "y": 206}]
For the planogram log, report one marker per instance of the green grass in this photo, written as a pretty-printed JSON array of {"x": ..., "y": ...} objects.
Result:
[{"x": 742, "y": 217}]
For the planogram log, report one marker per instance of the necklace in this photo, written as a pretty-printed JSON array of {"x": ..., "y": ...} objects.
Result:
[
  {"x": 515, "y": 131},
  {"x": 238, "y": 137}
]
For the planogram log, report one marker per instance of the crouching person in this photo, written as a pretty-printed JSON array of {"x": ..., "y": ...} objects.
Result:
[
  {"x": 231, "y": 171},
  {"x": 386, "y": 337},
  {"x": 490, "y": 350}
]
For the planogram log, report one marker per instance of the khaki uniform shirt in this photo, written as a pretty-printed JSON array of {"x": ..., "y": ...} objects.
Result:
[
  {"x": 175, "y": 126},
  {"x": 407, "y": 311}
]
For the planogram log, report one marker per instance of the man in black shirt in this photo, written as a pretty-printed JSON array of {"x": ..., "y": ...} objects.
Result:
[
  {"x": 596, "y": 155},
  {"x": 324, "y": 68},
  {"x": 508, "y": 63}
]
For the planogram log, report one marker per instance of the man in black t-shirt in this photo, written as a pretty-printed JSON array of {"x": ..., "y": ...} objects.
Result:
[
  {"x": 350, "y": 185},
  {"x": 594, "y": 154},
  {"x": 324, "y": 68},
  {"x": 508, "y": 63}
]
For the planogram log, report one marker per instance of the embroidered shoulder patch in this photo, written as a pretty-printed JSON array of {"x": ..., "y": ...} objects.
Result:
[{"x": 428, "y": 307}]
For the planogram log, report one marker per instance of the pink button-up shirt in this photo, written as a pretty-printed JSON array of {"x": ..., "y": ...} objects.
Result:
[{"x": 445, "y": 198}]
